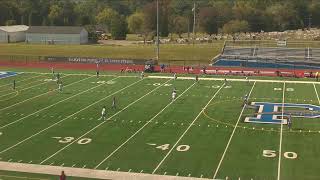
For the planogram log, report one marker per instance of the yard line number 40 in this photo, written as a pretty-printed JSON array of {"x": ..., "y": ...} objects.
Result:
[{"x": 272, "y": 154}]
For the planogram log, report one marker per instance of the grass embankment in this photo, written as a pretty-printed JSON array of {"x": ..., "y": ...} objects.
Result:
[{"x": 171, "y": 53}]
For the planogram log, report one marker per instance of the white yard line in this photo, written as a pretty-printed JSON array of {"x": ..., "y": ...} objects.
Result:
[
  {"x": 234, "y": 130},
  {"x": 21, "y": 80},
  {"x": 148, "y": 122},
  {"x": 191, "y": 78},
  {"x": 18, "y": 120},
  {"x": 82, "y": 74},
  {"x": 20, "y": 86},
  {"x": 28, "y": 87},
  {"x": 236, "y": 80},
  {"x": 44, "y": 94},
  {"x": 281, "y": 130},
  {"x": 183, "y": 134},
  {"x": 68, "y": 117},
  {"x": 315, "y": 89},
  {"x": 102, "y": 123}
]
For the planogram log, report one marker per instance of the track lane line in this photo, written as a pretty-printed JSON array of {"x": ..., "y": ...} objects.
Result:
[
  {"x": 102, "y": 123},
  {"x": 184, "y": 133},
  {"x": 234, "y": 130},
  {"x": 148, "y": 122},
  {"x": 45, "y": 129}
]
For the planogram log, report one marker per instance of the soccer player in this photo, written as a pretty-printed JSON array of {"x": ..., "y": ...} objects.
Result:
[
  {"x": 58, "y": 78},
  {"x": 114, "y": 103},
  {"x": 14, "y": 84},
  {"x": 103, "y": 113},
  {"x": 60, "y": 86},
  {"x": 97, "y": 73},
  {"x": 225, "y": 81},
  {"x": 245, "y": 100},
  {"x": 289, "y": 122},
  {"x": 175, "y": 76},
  {"x": 197, "y": 78},
  {"x": 174, "y": 94},
  {"x": 142, "y": 75}
]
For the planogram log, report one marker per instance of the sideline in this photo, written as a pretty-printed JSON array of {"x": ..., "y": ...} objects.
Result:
[{"x": 85, "y": 173}]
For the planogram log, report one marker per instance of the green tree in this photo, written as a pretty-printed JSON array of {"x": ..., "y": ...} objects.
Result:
[
  {"x": 55, "y": 15},
  {"x": 119, "y": 28},
  {"x": 136, "y": 22},
  {"x": 208, "y": 20},
  {"x": 179, "y": 25},
  {"x": 235, "y": 26},
  {"x": 106, "y": 17}
]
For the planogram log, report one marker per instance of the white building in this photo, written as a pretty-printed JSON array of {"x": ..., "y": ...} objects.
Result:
[
  {"x": 57, "y": 35},
  {"x": 10, "y": 34}
]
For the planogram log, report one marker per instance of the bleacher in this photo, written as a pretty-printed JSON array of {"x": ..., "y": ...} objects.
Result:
[{"x": 257, "y": 54}]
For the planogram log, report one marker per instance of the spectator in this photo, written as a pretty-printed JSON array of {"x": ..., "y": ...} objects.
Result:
[{"x": 63, "y": 176}]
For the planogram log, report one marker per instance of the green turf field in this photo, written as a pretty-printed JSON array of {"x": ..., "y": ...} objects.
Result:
[{"x": 201, "y": 133}]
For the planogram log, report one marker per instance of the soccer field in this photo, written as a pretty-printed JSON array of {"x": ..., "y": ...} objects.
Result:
[{"x": 206, "y": 132}]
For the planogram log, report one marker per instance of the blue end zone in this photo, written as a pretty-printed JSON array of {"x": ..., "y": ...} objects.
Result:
[{"x": 5, "y": 74}]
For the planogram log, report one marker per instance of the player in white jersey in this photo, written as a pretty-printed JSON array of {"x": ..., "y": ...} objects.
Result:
[
  {"x": 103, "y": 113},
  {"x": 174, "y": 94}
]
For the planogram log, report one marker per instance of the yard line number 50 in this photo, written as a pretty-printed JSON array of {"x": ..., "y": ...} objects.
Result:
[{"x": 272, "y": 154}]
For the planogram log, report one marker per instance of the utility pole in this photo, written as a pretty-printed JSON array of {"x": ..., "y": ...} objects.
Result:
[
  {"x": 310, "y": 21},
  {"x": 158, "y": 48},
  {"x": 194, "y": 21}
]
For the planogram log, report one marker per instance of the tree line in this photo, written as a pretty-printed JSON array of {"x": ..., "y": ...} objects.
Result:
[{"x": 120, "y": 17}]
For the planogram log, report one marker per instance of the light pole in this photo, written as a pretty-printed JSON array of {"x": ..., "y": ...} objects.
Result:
[
  {"x": 194, "y": 21},
  {"x": 158, "y": 30}
]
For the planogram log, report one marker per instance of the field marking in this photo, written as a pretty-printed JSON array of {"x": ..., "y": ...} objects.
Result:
[
  {"x": 18, "y": 120},
  {"x": 148, "y": 122},
  {"x": 192, "y": 78},
  {"x": 82, "y": 74},
  {"x": 281, "y": 130},
  {"x": 69, "y": 117},
  {"x": 315, "y": 89},
  {"x": 21, "y": 80},
  {"x": 21, "y": 177},
  {"x": 100, "y": 124},
  {"x": 234, "y": 130},
  {"x": 237, "y": 80},
  {"x": 84, "y": 173},
  {"x": 29, "y": 87},
  {"x": 19, "y": 86},
  {"x": 183, "y": 134},
  {"x": 44, "y": 94}
]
